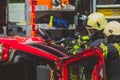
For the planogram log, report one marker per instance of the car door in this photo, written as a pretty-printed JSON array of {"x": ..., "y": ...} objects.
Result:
[{"x": 86, "y": 65}]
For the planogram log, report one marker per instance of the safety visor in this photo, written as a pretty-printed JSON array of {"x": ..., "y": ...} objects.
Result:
[{"x": 90, "y": 29}]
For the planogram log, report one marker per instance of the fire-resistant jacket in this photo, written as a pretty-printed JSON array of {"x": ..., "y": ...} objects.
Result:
[{"x": 111, "y": 53}]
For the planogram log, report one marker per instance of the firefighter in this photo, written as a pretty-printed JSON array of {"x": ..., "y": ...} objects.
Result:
[
  {"x": 95, "y": 25},
  {"x": 112, "y": 31},
  {"x": 109, "y": 42}
]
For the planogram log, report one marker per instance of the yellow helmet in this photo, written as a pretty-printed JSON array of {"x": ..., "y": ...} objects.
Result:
[
  {"x": 97, "y": 21},
  {"x": 112, "y": 28}
]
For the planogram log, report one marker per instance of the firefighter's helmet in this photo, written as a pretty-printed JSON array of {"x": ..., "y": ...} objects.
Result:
[
  {"x": 96, "y": 21},
  {"x": 112, "y": 28}
]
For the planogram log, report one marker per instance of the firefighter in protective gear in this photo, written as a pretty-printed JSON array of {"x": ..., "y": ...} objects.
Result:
[
  {"x": 113, "y": 54},
  {"x": 95, "y": 25},
  {"x": 96, "y": 21},
  {"x": 110, "y": 47},
  {"x": 113, "y": 28}
]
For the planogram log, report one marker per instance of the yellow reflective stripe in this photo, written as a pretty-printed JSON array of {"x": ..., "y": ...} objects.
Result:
[
  {"x": 73, "y": 76},
  {"x": 104, "y": 49},
  {"x": 117, "y": 46}
]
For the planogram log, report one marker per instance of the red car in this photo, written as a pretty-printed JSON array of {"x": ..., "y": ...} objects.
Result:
[
  {"x": 50, "y": 62},
  {"x": 44, "y": 60}
]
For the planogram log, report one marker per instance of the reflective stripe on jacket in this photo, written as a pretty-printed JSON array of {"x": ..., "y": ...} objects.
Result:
[
  {"x": 117, "y": 46},
  {"x": 104, "y": 49}
]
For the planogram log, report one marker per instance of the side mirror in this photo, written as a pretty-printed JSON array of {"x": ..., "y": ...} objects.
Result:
[{"x": 43, "y": 73}]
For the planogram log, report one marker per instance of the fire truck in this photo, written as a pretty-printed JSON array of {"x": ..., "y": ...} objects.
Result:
[{"x": 39, "y": 58}]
